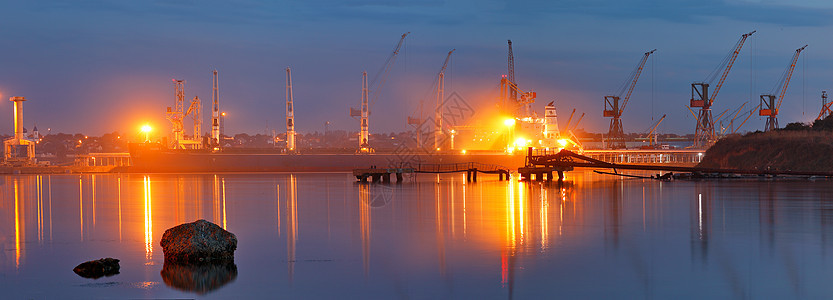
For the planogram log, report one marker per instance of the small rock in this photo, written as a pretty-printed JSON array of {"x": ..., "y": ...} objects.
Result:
[
  {"x": 97, "y": 268},
  {"x": 200, "y": 241}
]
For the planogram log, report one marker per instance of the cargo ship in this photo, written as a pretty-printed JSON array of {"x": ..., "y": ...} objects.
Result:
[{"x": 156, "y": 158}]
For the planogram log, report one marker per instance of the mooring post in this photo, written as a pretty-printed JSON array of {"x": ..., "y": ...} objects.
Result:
[
  {"x": 386, "y": 178},
  {"x": 560, "y": 175},
  {"x": 364, "y": 178},
  {"x": 549, "y": 176},
  {"x": 474, "y": 175},
  {"x": 398, "y": 176}
]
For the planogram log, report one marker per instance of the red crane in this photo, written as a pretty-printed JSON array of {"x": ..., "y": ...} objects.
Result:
[
  {"x": 704, "y": 134},
  {"x": 616, "y": 135},
  {"x": 769, "y": 107}
]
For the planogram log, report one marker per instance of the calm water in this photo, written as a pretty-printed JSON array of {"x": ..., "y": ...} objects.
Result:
[{"x": 325, "y": 236}]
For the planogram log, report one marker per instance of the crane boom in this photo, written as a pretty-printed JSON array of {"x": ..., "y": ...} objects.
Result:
[
  {"x": 731, "y": 62},
  {"x": 382, "y": 75},
  {"x": 789, "y": 75},
  {"x": 438, "y": 113},
  {"x": 635, "y": 78}
]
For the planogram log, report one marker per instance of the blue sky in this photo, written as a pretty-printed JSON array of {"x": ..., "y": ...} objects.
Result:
[{"x": 102, "y": 66}]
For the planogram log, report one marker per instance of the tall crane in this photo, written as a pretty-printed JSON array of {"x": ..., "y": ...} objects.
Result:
[
  {"x": 704, "y": 134},
  {"x": 215, "y": 112},
  {"x": 616, "y": 135},
  {"x": 380, "y": 78},
  {"x": 513, "y": 100},
  {"x": 825, "y": 107},
  {"x": 176, "y": 114},
  {"x": 290, "y": 114},
  {"x": 769, "y": 107},
  {"x": 438, "y": 112}
]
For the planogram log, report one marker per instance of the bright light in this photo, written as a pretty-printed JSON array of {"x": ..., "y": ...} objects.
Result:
[
  {"x": 563, "y": 142},
  {"x": 146, "y": 128},
  {"x": 520, "y": 142},
  {"x": 438, "y": 149},
  {"x": 509, "y": 122},
  {"x": 463, "y": 151},
  {"x": 224, "y": 114}
]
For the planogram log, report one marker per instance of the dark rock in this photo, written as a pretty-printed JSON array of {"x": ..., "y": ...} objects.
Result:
[
  {"x": 199, "y": 277},
  {"x": 97, "y": 268},
  {"x": 200, "y": 241}
]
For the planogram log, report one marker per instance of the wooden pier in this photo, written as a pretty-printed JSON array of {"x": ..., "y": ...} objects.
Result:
[{"x": 471, "y": 169}]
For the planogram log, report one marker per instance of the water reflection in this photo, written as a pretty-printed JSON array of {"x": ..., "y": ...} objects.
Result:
[
  {"x": 632, "y": 238},
  {"x": 199, "y": 278}
]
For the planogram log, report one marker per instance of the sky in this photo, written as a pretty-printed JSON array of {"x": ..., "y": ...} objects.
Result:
[{"x": 98, "y": 66}]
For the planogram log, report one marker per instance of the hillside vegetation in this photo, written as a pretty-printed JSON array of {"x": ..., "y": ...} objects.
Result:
[{"x": 797, "y": 147}]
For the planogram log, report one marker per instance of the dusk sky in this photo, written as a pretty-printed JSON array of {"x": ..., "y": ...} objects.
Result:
[{"x": 100, "y": 66}]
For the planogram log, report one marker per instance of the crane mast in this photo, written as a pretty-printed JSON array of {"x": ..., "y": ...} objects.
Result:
[
  {"x": 615, "y": 134},
  {"x": 770, "y": 107},
  {"x": 195, "y": 111},
  {"x": 215, "y": 112},
  {"x": 438, "y": 112},
  {"x": 704, "y": 134},
  {"x": 290, "y": 114},
  {"x": 825, "y": 106},
  {"x": 514, "y": 101},
  {"x": 176, "y": 114},
  {"x": 364, "y": 112}
]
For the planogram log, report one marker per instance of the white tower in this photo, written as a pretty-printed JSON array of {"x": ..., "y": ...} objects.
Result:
[
  {"x": 215, "y": 113},
  {"x": 290, "y": 114},
  {"x": 364, "y": 134},
  {"x": 551, "y": 132}
]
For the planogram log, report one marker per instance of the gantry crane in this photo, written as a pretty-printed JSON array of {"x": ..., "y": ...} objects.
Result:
[
  {"x": 438, "y": 112},
  {"x": 825, "y": 107},
  {"x": 616, "y": 135},
  {"x": 514, "y": 101},
  {"x": 704, "y": 134},
  {"x": 653, "y": 141},
  {"x": 380, "y": 78},
  {"x": 769, "y": 107}
]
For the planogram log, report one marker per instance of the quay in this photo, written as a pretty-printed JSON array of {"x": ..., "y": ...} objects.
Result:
[{"x": 471, "y": 169}]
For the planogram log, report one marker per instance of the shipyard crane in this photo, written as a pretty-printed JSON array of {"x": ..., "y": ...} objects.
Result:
[
  {"x": 215, "y": 113},
  {"x": 825, "y": 107},
  {"x": 769, "y": 107},
  {"x": 195, "y": 111},
  {"x": 704, "y": 134},
  {"x": 653, "y": 141},
  {"x": 380, "y": 78},
  {"x": 513, "y": 100},
  {"x": 176, "y": 114},
  {"x": 438, "y": 112},
  {"x": 616, "y": 135},
  {"x": 733, "y": 116}
]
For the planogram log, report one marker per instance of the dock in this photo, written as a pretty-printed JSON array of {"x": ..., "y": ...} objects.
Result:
[{"x": 471, "y": 169}]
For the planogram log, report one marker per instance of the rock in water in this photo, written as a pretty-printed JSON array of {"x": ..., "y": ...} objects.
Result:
[
  {"x": 200, "y": 241},
  {"x": 97, "y": 268}
]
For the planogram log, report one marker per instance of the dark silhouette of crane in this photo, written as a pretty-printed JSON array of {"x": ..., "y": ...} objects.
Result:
[
  {"x": 704, "y": 134},
  {"x": 770, "y": 107},
  {"x": 616, "y": 135}
]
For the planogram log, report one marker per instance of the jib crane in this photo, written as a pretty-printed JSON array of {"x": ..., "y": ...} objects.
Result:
[
  {"x": 653, "y": 141},
  {"x": 616, "y": 135},
  {"x": 769, "y": 107},
  {"x": 380, "y": 78},
  {"x": 513, "y": 100},
  {"x": 704, "y": 134},
  {"x": 438, "y": 113}
]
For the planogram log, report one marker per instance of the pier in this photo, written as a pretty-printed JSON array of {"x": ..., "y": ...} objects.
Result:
[{"x": 471, "y": 169}]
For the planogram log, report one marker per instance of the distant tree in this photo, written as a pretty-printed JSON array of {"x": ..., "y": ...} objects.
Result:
[
  {"x": 796, "y": 126},
  {"x": 825, "y": 124}
]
